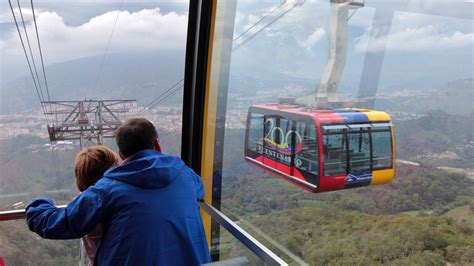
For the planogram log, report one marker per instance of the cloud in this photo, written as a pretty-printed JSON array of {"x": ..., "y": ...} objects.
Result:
[
  {"x": 141, "y": 31},
  {"x": 312, "y": 39},
  {"x": 6, "y": 15},
  {"x": 415, "y": 39},
  {"x": 418, "y": 32}
]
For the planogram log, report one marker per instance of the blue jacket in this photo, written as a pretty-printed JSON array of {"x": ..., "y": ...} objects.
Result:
[{"x": 148, "y": 207}]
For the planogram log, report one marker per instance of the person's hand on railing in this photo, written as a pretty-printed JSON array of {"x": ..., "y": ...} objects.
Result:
[{"x": 18, "y": 205}]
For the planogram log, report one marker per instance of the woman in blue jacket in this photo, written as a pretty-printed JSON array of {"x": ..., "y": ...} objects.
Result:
[{"x": 148, "y": 207}]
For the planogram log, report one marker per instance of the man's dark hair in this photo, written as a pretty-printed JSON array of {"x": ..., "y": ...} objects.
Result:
[{"x": 135, "y": 135}]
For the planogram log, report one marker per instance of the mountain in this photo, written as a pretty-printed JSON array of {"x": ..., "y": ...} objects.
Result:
[
  {"x": 143, "y": 76},
  {"x": 454, "y": 98},
  {"x": 138, "y": 76},
  {"x": 439, "y": 138}
]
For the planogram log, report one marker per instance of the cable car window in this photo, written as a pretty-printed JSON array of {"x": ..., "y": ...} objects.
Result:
[
  {"x": 306, "y": 156},
  {"x": 282, "y": 58},
  {"x": 88, "y": 67},
  {"x": 281, "y": 132},
  {"x": 275, "y": 144},
  {"x": 334, "y": 128},
  {"x": 359, "y": 150},
  {"x": 269, "y": 125},
  {"x": 359, "y": 126},
  {"x": 335, "y": 152},
  {"x": 255, "y": 133},
  {"x": 382, "y": 149},
  {"x": 384, "y": 126},
  {"x": 283, "y": 141}
]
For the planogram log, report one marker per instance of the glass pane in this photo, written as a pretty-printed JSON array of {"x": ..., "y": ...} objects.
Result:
[
  {"x": 256, "y": 133},
  {"x": 359, "y": 152},
  {"x": 307, "y": 157},
  {"x": 382, "y": 149},
  {"x": 279, "y": 132},
  {"x": 410, "y": 62},
  {"x": 270, "y": 123},
  {"x": 93, "y": 51},
  {"x": 121, "y": 59},
  {"x": 233, "y": 252},
  {"x": 19, "y": 246},
  {"x": 335, "y": 155},
  {"x": 277, "y": 141}
]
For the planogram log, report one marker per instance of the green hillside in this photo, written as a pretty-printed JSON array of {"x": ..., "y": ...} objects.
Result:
[
  {"x": 18, "y": 246},
  {"x": 328, "y": 236},
  {"x": 438, "y": 138}
]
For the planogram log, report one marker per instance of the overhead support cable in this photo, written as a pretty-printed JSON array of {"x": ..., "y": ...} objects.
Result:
[
  {"x": 168, "y": 95},
  {"x": 157, "y": 98},
  {"x": 260, "y": 20},
  {"x": 264, "y": 27},
  {"x": 40, "y": 51},
  {"x": 26, "y": 54},
  {"x": 31, "y": 52},
  {"x": 108, "y": 45},
  {"x": 172, "y": 90}
]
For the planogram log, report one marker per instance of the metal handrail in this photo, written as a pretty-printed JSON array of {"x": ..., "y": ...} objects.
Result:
[
  {"x": 240, "y": 234},
  {"x": 12, "y": 215},
  {"x": 245, "y": 238},
  {"x": 16, "y": 214}
]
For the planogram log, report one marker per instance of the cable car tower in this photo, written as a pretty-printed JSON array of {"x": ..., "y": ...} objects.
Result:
[
  {"x": 325, "y": 95},
  {"x": 89, "y": 121}
]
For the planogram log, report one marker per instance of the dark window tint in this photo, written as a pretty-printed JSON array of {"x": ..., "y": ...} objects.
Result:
[
  {"x": 270, "y": 123},
  {"x": 359, "y": 150},
  {"x": 382, "y": 149},
  {"x": 306, "y": 156},
  {"x": 280, "y": 132},
  {"x": 335, "y": 153},
  {"x": 255, "y": 133}
]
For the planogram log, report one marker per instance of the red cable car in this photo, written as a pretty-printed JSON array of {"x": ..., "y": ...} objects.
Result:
[{"x": 321, "y": 150}]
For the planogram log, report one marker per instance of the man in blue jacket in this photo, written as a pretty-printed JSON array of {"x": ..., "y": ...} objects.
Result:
[{"x": 148, "y": 207}]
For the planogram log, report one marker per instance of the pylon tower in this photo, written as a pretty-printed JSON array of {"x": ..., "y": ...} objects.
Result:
[{"x": 89, "y": 121}]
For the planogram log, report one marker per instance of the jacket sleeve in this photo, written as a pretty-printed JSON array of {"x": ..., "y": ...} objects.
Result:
[
  {"x": 198, "y": 185},
  {"x": 76, "y": 220}
]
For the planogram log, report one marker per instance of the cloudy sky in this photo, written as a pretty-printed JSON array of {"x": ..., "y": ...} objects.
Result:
[
  {"x": 427, "y": 43},
  {"x": 73, "y": 30},
  {"x": 295, "y": 45}
]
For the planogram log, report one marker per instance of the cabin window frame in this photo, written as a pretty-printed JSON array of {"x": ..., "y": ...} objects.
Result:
[
  {"x": 327, "y": 131},
  {"x": 374, "y": 127},
  {"x": 359, "y": 129},
  {"x": 378, "y": 128},
  {"x": 310, "y": 127}
]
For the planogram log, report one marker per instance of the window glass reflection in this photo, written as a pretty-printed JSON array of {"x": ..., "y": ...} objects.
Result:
[
  {"x": 386, "y": 69},
  {"x": 382, "y": 149},
  {"x": 335, "y": 157},
  {"x": 359, "y": 151}
]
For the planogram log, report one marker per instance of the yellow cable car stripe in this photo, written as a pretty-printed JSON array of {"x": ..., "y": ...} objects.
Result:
[
  {"x": 377, "y": 116},
  {"x": 382, "y": 176}
]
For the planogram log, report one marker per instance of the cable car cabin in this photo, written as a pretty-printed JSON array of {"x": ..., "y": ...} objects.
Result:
[{"x": 321, "y": 150}]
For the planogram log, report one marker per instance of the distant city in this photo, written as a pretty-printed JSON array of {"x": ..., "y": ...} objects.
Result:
[{"x": 168, "y": 117}]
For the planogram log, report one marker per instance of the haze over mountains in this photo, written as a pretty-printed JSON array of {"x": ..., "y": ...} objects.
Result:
[
  {"x": 123, "y": 76},
  {"x": 454, "y": 98},
  {"x": 144, "y": 76}
]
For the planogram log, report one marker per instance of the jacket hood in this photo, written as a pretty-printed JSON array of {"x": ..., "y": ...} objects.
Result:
[{"x": 147, "y": 169}]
